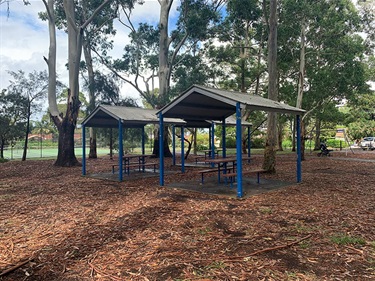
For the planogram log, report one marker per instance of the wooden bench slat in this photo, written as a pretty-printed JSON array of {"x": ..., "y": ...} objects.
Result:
[
  {"x": 234, "y": 174},
  {"x": 135, "y": 165},
  {"x": 202, "y": 172}
]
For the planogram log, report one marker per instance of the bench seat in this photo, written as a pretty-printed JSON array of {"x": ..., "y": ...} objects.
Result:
[
  {"x": 232, "y": 176},
  {"x": 213, "y": 170},
  {"x": 135, "y": 165}
]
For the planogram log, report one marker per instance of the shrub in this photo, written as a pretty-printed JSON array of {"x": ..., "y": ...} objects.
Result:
[
  {"x": 258, "y": 143},
  {"x": 3, "y": 160},
  {"x": 336, "y": 143}
]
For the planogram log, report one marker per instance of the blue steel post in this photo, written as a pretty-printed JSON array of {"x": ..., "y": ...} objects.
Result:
[
  {"x": 161, "y": 149},
  {"x": 120, "y": 150},
  {"x": 182, "y": 150},
  {"x": 174, "y": 144},
  {"x": 83, "y": 150},
  {"x": 248, "y": 143},
  {"x": 209, "y": 138},
  {"x": 224, "y": 142},
  {"x": 299, "y": 155},
  {"x": 213, "y": 140},
  {"x": 212, "y": 143},
  {"x": 239, "y": 149}
]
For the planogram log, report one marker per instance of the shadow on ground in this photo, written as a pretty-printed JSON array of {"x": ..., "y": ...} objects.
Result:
[{"x": 249, "y": 186}]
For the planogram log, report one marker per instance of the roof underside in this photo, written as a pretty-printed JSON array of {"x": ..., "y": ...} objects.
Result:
[
  {"x": 107, "y": 116},
  {"x": 203, "y": 103}
]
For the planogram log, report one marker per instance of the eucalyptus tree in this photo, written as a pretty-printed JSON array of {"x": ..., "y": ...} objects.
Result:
[
  {"x": 238, "y": 61},
  {"x": 269, "y": 161},
  {"x": 241, "y": 35},
  {"x": 361, "y": 116},
  {"x": 13, "y": 116},
  {"x": 66, "y": 123},
  {"x": 154, "y": 52},
  {"x": 321, "y": 56},
  {"x": 33, "y": 87},
  {"x": 192, "y": 27},
  {"x": 95, "y": 36}
]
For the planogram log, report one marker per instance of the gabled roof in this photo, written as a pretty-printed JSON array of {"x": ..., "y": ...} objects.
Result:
[
  {"x": 108, "y": 116},
  {"x": 204, "y": 103}
]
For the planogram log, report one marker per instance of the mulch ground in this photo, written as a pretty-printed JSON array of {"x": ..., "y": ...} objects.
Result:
[{"x": 57, "y": 225}]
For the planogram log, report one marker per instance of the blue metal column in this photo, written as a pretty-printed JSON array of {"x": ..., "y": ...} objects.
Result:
[
  {"x": 213, "y": 140},
  {"x": 224, "y": 143},
  {"x": 161, "y": 149},
  {"x": 299, "y": 155},
  {"x": 213, "y": 143},
  {"x": 174, "y": 144},
  {"x": 120, "y": 151},
  {"x": 239, "y": 149},
  {"x": 248, "y": 143},
  {"x": 182, "y": 150},
  {"x": 83, "y": 150},
  {"x": 209, "y": 138}
]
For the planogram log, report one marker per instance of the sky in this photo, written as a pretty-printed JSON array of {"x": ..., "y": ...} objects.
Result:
[{"x": 24, "y": 39}]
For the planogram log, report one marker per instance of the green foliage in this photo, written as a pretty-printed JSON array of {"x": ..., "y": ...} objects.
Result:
[
  {"x": 3, "y": 160},
  {"x": 360, "y": 117},
  {"x": 334, "y": 143},
  {"x": 202, "y": 141},
  {"x": 258, "y": 142},
  {"x": 13, "y": 116},
  {"x": 343, "y": 239}
]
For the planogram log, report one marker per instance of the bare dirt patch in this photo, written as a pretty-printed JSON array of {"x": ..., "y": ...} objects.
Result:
[{"x": 68, "y": 227}]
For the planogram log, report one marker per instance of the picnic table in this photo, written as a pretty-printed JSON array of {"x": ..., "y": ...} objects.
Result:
[
  {"x": 229, "y": 171},
  {"x": 135, "y": 161},
  {"x": 208, "y": 152}
]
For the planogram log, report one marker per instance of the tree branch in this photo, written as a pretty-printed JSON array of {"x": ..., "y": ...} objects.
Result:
[
  {"x": 133, "y": 84},
  {"x": 94, "y": 14}
]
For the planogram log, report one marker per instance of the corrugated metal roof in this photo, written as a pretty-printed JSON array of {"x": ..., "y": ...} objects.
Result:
[
  {"x": 206, "y": 103},
  {"x": 132, "y": 117}
]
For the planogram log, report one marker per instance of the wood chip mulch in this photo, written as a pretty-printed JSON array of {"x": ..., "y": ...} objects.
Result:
[{"x": 57, "y": 225}]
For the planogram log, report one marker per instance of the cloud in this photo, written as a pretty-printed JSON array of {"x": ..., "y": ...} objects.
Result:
[{"x": 24, "y": 39}]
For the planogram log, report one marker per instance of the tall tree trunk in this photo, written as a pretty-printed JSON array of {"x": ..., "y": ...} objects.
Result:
[
  {"x": 110, "y": 144},
  {"x": 164, "y": 41},
  {"x": 51, "y": 61},
  {"x": 156, "y": 150},
  {"x": 195, "y": 141},
  {"x": 244, "y": 117},
  {"x": 280, "y": 129},
  {"x": 92, "y": 100},
  {"x": 293, "y": 129},
  {"x": 27, "y": 132},
  {"x": 2, "y": 145},
  {"x": 164, "y": 69},
  {"x": 271, "y": 141},
  {"x": 303, "y": 142},
  {"x": 66, "y": 124},
  {"x": 301, "y": 81},
  {"x": 66, "y": 155},
  {"x": 317, "y": 135}
]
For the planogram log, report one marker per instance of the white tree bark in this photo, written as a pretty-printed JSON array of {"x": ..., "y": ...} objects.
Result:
[
  {"x": 51, "y": 61},
  {"x": 301, "y": 76},
  {"x": 271, "y": 142},
  {"x": 165, "y": 7}
]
